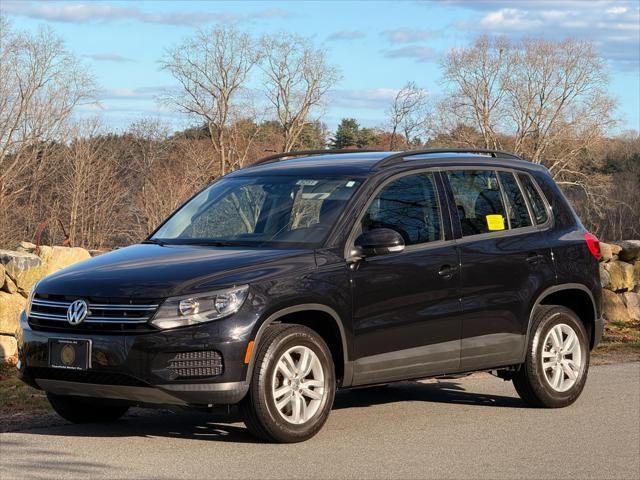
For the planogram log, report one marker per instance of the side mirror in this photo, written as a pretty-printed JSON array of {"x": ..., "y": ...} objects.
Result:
[{"x": 379, "y": 241}]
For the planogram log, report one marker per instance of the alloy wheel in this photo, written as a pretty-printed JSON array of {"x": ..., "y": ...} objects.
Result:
[
  {"x": 298, "y": 385},
  {"x": 561, "y": 357}
]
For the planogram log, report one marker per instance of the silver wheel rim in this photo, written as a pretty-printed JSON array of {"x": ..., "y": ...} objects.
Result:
[
  {"x": 561, "y": 357},
  {"x": 298, "y": 385}
]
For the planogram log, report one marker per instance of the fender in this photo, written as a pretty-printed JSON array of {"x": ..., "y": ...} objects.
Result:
[
  {"x": 545, "y": 294},
  {"x": 348, "y": 366}
]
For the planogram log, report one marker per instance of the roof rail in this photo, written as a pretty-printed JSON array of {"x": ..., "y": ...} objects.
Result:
[
  {"x": 303, "y": 153},
  {"x": 399, "y": 157}
]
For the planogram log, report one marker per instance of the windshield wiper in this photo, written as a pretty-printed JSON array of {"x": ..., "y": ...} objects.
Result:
[
  {"x": 154, "y": 242},
  {"x": 216, "y": 243}
]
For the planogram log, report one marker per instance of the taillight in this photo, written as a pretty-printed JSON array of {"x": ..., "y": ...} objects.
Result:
[{"x": 594, "y": 245}]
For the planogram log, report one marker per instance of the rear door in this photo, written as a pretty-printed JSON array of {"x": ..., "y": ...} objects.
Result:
[
  {"x": 505, "y": 263},
  {"x": 406, "y": 305}
]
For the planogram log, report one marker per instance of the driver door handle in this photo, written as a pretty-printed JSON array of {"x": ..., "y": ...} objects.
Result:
[{"x": 447, "y": 271}]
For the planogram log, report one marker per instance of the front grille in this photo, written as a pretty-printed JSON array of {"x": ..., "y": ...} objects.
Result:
[
  {"x": 195, "y": 364},
  {"x": 50, "y": 313},
  {"x": 99, "y": 378}
]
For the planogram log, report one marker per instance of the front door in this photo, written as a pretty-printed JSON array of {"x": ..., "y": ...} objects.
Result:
[{"x": 406, "y": 305}]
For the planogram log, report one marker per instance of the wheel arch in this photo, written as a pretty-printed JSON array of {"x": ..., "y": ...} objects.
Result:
[
  {"x": 333, "y": 333},
  {"x": 576, "y": 297}
]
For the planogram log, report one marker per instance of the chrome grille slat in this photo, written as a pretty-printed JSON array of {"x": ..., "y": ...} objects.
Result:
[
  {"x": 63, "y": 318},
  {"x": 94, "y": 306},
  {"x": 107, "y": 316}
]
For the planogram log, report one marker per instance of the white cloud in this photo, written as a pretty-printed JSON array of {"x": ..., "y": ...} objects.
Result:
[
  {"x": 613, "y": 26},
  {"x": 406, "y": 35},
  {"x": 347, "y": 35},
  {"x": 101, "y": 12},
  {"x": 109, "y": 57},
  {"x": 368, "y": 98},
  {"x": 416, "y": 52}
]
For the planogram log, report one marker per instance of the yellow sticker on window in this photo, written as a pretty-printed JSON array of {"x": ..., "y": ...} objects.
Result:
[{"x": 495, "y": 222}]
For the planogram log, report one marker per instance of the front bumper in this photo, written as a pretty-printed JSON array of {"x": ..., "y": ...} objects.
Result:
[{"x": 135, "y": 367}]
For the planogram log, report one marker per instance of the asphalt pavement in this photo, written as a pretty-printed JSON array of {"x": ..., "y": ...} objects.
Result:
[{"x": 475, "y": 427}]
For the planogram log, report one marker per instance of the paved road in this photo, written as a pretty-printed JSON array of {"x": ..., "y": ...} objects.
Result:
[{"x": 467, "y": 428}]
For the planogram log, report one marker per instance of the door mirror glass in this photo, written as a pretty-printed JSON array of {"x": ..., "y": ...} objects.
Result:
[{"x": 379, "y": 241}]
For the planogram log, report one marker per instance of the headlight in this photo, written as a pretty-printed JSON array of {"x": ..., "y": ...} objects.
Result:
[{"x": 203, "y": 307}]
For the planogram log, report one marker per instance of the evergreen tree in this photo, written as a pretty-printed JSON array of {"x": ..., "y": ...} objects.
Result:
[{"x": 346, "y": 134}]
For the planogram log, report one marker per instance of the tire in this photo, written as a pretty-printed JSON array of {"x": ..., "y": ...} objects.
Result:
[
  {"x": 560, "y": 382},
  {"x": 85, "y": 410},
  {"x": 293, "y": 421}
]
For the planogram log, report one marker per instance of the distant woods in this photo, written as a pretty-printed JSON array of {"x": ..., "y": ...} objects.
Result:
[{"x": 249, "y": 97}]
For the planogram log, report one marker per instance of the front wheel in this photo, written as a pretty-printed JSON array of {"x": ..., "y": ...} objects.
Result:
[
  {"x": 85, "y": 410},
  {"x": 557, "y": 363},
  {"x": 292, "y": 385}
]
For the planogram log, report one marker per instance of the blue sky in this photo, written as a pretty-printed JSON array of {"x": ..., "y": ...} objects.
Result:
[{"x": 377, "y": 45}]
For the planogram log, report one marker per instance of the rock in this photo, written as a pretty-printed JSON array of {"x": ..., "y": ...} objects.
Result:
[
  {"x": 632, "y": 301},
  {"x": 636, "y": 271},
  {"x": 613, "y": 307},
  {"x": 26, "y": 247},
  {"x": 24, "y": 268},
  {"x": 16, "y": 262},
  {"x": 57, "y": 258},
  {"x": 615, "y": 249},
  {"x": 2, "y": 275},
  {"x": 8, "y": 349},
  {"x": 606, "y": 252},
  {"x": 621, "y": 274},
  {"x": 11, "y": 305},
  {"x": 9, "y": 285},
  {"x": 605, "y": 278},
  {"x": 630, "y": 250}
]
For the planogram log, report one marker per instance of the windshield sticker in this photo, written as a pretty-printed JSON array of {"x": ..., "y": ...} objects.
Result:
[
  {"x": 495, "y": 222},
  {"x": 350, "y": 184},
  {"x": 307, "y": 183}
]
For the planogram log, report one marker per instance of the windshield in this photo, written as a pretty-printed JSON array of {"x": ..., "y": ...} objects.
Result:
[{"x": 265, "y": 211}]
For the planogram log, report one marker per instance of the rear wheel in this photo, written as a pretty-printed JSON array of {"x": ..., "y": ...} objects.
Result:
[
  {"x": 85, "y": 410},
  {"x": 292, "y": 385},
  {"x": 557, "y": 363}
]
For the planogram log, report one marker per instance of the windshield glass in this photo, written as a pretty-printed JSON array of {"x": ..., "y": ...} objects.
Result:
[{"x": 265, "y": 211}]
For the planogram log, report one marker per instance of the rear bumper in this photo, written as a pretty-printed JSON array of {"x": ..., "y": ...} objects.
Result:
[
  {"x": 598, "y": 331},
  {"x": 135, "y": 368}
]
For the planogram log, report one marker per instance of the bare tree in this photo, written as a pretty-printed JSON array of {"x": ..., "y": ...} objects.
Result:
[
  {"x": 297, "y": 78},
  {"x": 476, "y": 76},
  {"x": 41, "y": 85},
  {"x": 212, "y": 68},
  {"x": 407, "y": 115}
]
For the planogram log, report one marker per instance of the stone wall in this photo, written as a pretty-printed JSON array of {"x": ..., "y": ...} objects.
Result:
[
  {"x": 620, "y": 278},
  {"x": 19, "y": 271}
]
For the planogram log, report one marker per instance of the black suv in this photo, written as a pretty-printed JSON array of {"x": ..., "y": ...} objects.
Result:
[{"x": 312, "y": 271}]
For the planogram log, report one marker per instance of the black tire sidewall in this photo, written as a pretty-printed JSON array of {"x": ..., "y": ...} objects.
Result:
[
  {"x": 277, "y": 426},
  {"x": 538, "y": 382}
]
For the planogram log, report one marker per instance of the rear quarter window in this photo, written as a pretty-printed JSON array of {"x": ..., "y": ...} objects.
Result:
[{"x": 538, "y": 206}]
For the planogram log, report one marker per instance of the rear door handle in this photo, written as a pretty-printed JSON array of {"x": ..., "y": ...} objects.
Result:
[
  {"x": 534, "y": 258},
  {"x": 447, "y": 271}
]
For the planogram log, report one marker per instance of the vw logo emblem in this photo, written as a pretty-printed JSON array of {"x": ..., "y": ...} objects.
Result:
[{"x": 77, "y": 312}]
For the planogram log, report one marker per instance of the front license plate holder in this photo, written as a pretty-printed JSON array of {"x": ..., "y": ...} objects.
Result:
[{"x": 69, "y": 353}]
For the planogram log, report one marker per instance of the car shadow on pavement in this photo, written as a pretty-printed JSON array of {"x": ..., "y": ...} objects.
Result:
[
  {"x": 225, "y": 425},
  {"x": 450, "y": 392}
]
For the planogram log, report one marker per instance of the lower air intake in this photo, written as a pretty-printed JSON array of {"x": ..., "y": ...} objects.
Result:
[{"x": 196, "y": 364}]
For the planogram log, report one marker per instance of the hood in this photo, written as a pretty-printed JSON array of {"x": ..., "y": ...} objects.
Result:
[{"x": 153, "y": 272}]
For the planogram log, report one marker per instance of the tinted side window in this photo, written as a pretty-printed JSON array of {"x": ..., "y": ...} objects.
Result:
[
  {"x": 408, "y": 205},
  {"x": 517, "y": 212},
  {"x": 478, "y": 200},
  {"x": 535, "y": 200}
]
